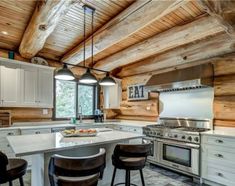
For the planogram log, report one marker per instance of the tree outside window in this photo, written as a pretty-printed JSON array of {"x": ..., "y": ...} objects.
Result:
[{"x": 69, "y": 96}]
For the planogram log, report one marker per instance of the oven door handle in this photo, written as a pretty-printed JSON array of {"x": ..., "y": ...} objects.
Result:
[{"x": 181, "y": 144}]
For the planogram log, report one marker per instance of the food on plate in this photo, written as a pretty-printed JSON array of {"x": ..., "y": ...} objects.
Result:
[{"x": 80, "y": 131}]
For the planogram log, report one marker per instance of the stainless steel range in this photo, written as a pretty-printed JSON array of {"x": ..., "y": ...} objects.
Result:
[{"x": 176, "y": 143}]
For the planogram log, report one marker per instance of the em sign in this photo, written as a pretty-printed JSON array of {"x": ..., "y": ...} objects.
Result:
[{"x": 136, "y": 92}]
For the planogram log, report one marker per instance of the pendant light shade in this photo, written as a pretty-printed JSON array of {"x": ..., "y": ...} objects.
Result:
[
  {"x": 88, "y": 78},
  {"x": 107, "y": 81},
  {"x": 64, "y": 73}
]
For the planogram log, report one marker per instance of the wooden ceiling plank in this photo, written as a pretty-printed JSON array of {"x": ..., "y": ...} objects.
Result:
[
  {"x": 46, "y": 16},
  {"x": 142, "y": 15},
  {"x": 162, "y": 42}
]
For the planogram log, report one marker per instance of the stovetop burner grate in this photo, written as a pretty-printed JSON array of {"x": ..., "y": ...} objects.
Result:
[{"x": 192, "y": 129}]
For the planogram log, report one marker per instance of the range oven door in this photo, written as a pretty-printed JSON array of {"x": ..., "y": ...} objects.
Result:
[
  {"x": 180, "y": 156},
  {"x": 153, "y": 150}
]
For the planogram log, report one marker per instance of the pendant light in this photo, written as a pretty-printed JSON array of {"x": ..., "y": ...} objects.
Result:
[
  {"x": 88, "y": 77},
  {"x": 64, "y": 73},
  {"x": 107, "y": 81}
]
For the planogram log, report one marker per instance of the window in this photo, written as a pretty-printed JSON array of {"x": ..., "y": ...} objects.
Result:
[{"x": 72, "y": 98}]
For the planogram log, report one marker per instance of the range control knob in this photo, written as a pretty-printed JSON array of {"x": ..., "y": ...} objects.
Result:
[
  {"x": 183, "y": 137},
  {"x": 158, "y": 134},
  {"x": 196, "y": 139},
  {"x": 190, "y": 138},
  {"x": 175, "y": 136}
]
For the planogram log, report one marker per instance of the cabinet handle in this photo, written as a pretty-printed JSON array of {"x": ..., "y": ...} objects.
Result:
[
  {"x": 220, "y": 174},
  {"x": 10, "y": 133},
  {"x": 219, "y": 155},
  {"x": 134, "y": 129},
  {"x": 219, "y": 141},
  {"x": 37, "y": 132}
]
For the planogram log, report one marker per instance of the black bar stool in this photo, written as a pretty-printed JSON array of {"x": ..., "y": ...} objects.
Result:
[
  {"x": 130, "y": 157},
  {"x": 11, "y": 169},
  {"x": 74, "y": 171}
]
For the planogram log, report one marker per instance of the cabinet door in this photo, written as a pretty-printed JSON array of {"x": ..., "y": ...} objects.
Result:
[
  {"x": 45, "y": 87},
  {"x": 112, "y": 95},
  {"x": 29, "y": 86},
  {"x": 10, "y": 85}
]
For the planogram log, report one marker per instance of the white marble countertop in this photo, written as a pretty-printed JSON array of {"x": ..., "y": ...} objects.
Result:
[
  {"x": 85, "y": 123},
  {"x": 221, "y": 131},
  {"x": 41, "y": 143}
]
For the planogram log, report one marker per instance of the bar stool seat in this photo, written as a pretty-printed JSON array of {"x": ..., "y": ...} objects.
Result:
[
  {"x": 12, "y": 169},
  {"x": 132, "y": 163},
  {"x": 129, "y": 157}
]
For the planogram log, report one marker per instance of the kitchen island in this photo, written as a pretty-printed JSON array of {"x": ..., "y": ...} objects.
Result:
[{"x": 42, "y": 146}]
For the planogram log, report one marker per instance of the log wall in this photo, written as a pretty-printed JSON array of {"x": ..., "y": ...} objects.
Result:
[
  {"x": 224, "y": 85},
  {"x": 142, "y": 110},
  {"x": 224, "y": 100}
]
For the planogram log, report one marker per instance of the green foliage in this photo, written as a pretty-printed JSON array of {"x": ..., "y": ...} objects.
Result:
[
  {"x": 66, "y": 99},
  {"x": 85, "y": 99}
]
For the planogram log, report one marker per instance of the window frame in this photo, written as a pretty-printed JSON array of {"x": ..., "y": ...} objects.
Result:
[{"x": 96, "y": 90}]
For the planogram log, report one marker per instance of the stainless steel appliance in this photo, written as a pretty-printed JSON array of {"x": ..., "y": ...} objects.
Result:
[
  {"x": 188, "y": 78},
  {"x": 176, "y": 143}
]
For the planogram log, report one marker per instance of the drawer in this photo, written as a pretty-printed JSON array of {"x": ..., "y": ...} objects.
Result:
[
  {"x": 5, "y": 133},
  {"x": 220, "y": 175},
  {"x": 220, "y": 141},
  {"x": 223, "y": 156},
  {"x": 137, "y": 130},
  {"x": 6, "y": 149},
  {"x": 35, "y": 131}
]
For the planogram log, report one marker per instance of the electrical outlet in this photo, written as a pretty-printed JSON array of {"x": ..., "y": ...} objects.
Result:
[{"x": 44, "y": 111}]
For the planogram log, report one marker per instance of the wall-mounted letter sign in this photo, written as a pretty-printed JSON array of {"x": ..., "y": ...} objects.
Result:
[{"x": 136, "y": 92}]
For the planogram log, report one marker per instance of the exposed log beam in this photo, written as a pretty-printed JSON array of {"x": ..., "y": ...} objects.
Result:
[
  {"x": 183, "y": 56},
  {"x": 46, "y": 16},
  {"x": 140, "y": 15},
  {"x": 223, "y": 10},
  {"x": 170, "y": 39}
]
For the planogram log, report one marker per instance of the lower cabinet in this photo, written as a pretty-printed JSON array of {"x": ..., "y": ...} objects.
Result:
[
  {"x": 4, "y": 145},
  {"x": 218, "y": 160}
]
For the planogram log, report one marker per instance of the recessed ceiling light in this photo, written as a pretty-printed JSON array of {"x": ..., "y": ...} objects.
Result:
[{"x": 4, "y": 32}]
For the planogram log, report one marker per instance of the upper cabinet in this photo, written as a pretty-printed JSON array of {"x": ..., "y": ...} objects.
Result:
[
  {"x": 113, "y": 95},
  {"x": 45, "y": 87},
  {"x": 29, "y": 85},
  {"x": 10, "y": 84},
  {"x": 25, "y": 85}
]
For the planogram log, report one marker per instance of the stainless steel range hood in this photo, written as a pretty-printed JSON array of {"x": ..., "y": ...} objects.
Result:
[{"x": 189, "y": 78}]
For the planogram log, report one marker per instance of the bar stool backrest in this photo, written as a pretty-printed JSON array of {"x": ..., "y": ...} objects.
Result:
[
  {"x": 132, "y": 150},
  {"x": 3, "y": 164},
  {"x": 76, "y": 166}
]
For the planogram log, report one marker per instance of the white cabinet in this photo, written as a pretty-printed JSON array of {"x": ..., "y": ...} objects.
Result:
[
  {"x": 25, "y": 85},
  {"x": 29, "y": 86},
  {"x": 218, "y": 160},
  {"x": 4, "y": 144},
  {"x": 45, "y": 87},
  {"x": 10, "y": 84},
  {"x": 112, "y": 95}
]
